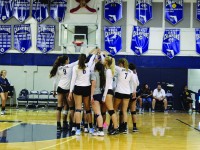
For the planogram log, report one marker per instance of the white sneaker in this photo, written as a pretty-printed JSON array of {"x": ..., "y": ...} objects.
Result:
[
  {"x": 2, "y": 112},
  {"x": 86, "y": 130},
  {"x": 98, "y": 133},
  {"x": 190, "y": 111},
  {"x": 91, "y": 130},
  {"x": 140, "y": 110}
]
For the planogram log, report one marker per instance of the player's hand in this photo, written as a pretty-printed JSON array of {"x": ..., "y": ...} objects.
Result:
[
  {"x": 92, "y": 100},
  {"x": 134, "y": 95},
  {"x": 54, "y": 94}
]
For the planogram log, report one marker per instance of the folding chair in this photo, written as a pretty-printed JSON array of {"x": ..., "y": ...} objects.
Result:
[
  {"x": 43, "y": 97},
  {"x": 23, "y": 97},
  {"x": 51, "y": 99},
  {"x": 33, "y": 97}
]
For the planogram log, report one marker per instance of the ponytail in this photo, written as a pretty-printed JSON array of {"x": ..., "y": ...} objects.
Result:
[
  {"x": 124, "y": 62},
  {"x": 81, "y": 62},
  {"x": 100, "y": 68},
  {"x": 58, "y": 62},
  {"x": 112, "y": 66}
]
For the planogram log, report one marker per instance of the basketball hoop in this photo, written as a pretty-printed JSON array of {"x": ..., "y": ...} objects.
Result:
[{"x": 77, "y": 45}]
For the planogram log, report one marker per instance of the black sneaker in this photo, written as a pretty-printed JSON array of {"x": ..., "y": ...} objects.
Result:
[
  {"x": 65, "y": 126},
  {"x": 110, "y": 128},
  {"x": 114, "y": 132},
  {"x": 121, "y": 126},
  {"x": 135, "y": 129},
  {"x": 124, "y": 130},
  {"x": 59, "y": 128}
]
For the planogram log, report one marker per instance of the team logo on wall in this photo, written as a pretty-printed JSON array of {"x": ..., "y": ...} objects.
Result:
[
  {"x": 5, "y": 38},
  {"x": 6, "y": 10},
  {"x": 82, "y": 6},
  {"x": 197, "y": 40},
  {"x": 171, "y": 42},
  {"x": 113, "y": 10},
  {"x": 113, "y": 39},
  {"x": 22, "y": 37},
  {"x": 21, "y": 10},
  {"x": 174, "y": 11},
  {"x": 58, "y": 9},
  {"x": 140, "y": 40},
  {"x": 143, "y": 10},
  {"x": 198, "y": 10},
  {"x": 45, "y": 38},
  {"x": 39, "y": 11}
]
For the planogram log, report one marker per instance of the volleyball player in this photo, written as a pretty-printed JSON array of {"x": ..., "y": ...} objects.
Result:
[
  {"x": 109, "y": 64},
  {"x": 97, "y": 84},
  {"x": 123, "y": 90},
  {"x": 81, "y": 88},
  {"x": 4, "y": 88},
  {"x": 63, "y": 70},
  {"x": 133, "y": 100}
]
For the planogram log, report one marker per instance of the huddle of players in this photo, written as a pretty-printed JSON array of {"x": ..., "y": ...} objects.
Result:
[{"x": 98, "y": 83}]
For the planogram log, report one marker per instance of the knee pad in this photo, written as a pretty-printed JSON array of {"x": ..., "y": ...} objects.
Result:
[
  {"x": 111, "y": 112},
  {"x": 72, "y": 108},
  {"x": 96, "y": 116},
  {"x": 104, "y": 113},
  {"x": 78, "y": 110},
  {"x": 88, "y": 111},
  {"x": 65, "y": 112},
  {"x": 120, "y": 113},
  {"x": 59, "y": 109},
  {"x": 133, "y": 113}
]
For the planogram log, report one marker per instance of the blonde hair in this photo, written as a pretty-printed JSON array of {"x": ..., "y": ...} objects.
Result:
[
  {"x": 124, "y": 62},
  {"x": 1, "y": 73},
  {"x": 111, "y": 64}
]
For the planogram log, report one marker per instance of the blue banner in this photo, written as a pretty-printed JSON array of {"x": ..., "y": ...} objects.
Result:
[
  {"x": 171, "y": 42},
  {"x": 113, "y": 10},
  {"x": 22, "y": 37},
  {"x": 140, "y": 40},
  {"x": 113, "y": 39},
  {"x": 58, "y": 9},
  {"x": 45, "y": 38},
  {"x": 197, "y": 40},
  {"x": 21, "y": 10},
  {"x": 6, "y": 10},
  {"x": 198, "y": 10},
  {"x": 39, "y": 11},
  {"x": 143, "y": 11},
  {"x": 5, "y": 38},
  {"x": 174, "y": 11}
]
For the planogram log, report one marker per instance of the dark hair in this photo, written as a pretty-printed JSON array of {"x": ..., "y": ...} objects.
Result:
[
  {"x": 124, "y": 62},
  {"x": 81, "y": 62},
  {"x": 132, "y": 66},
  {"x": 100, "y": 68},
  {"x": 58, "y": 62}
]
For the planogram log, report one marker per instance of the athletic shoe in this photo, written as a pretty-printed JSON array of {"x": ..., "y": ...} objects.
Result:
[
  {"x": 166, "y": 112},
  {"x": 110, "y": 128},
  {"x": 86, "y": 130},
  {"x": 91, "y": 130},
  {"x": 124, "y": 130},
  {"x": 78, "y": 132},
  {"x": 98, "y": 133},
  {"x": 140, "y": 110},
  {"x": 65, "y": 126},
  {"x": 153, "y": 111},
  {"x": 59, "y": 128},
  {"x": 135, "y": 129},
  {"x": 121, "y": 126},
  {"x": 2, "y": 112},
  {"x": 73, "y": 131},
  {"x": 190, "y": 111},
  {"x": 114, "y": 132}
]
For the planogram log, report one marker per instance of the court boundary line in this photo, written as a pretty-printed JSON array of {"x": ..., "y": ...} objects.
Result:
[
  {"x": 188, "y": 125},
  {"x": 67, "y": 140}
]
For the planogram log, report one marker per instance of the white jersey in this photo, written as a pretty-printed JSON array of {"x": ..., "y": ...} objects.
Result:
[
  {"x": 65, "y": 75},
  {"x": 159, "y": 94},
  {"x": 81, "y": 77},
  {"x": 124, "y": 81},
  {"x": 109, "y": 82},
  {"x": 135, "y": 84}
]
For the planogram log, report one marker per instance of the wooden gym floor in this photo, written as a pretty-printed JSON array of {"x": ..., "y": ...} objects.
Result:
[{"x": 36, "y": 130}]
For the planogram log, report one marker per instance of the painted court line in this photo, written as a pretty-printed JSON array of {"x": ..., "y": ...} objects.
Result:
[
  {"x": 188, "y": 125},
  {"x": 11, "y": 127},
  {"x": 58, "y": 143}
]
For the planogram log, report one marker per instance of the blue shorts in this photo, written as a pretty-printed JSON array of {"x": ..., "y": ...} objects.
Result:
[
  {"x": 148, "y": 99},
  {"x": 1, "y": 90},
  {"x": 98, "y": 97}
]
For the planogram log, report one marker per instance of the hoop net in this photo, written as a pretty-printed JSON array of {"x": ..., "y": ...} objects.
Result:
[{"x": 77, "y": 45}]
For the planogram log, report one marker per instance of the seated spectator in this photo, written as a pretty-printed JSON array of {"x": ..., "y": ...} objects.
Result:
[
  {"x": 159, "y": 97},
  {"x": 145, "y": 97},
  {"x": 187, "y": 98}
]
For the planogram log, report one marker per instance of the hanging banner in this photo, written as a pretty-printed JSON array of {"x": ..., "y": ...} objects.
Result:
[
  {"x": 39, "y": 11},
  {"x": 58, "y": 9},
  {"x": 22, "y": 37},
  {"x": 6, "y": 10},
  {"x": 5, "y": 38},
  {"x": 83, "y": 6},
  {"x": 113, "y": 10},
  {"x": 140, "y": 40},
  {"x": 113, "y": 39},
  {"x": 198, "y": 10},
  {"x": 174, "y": 11},
  {"x": 143, "y": 11},
  {"x": 171, "y": 42},
  {"x": 21, "y": 10},
  {"x": 45, "y": 38},
  {"x": 197, "y": 40}
]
